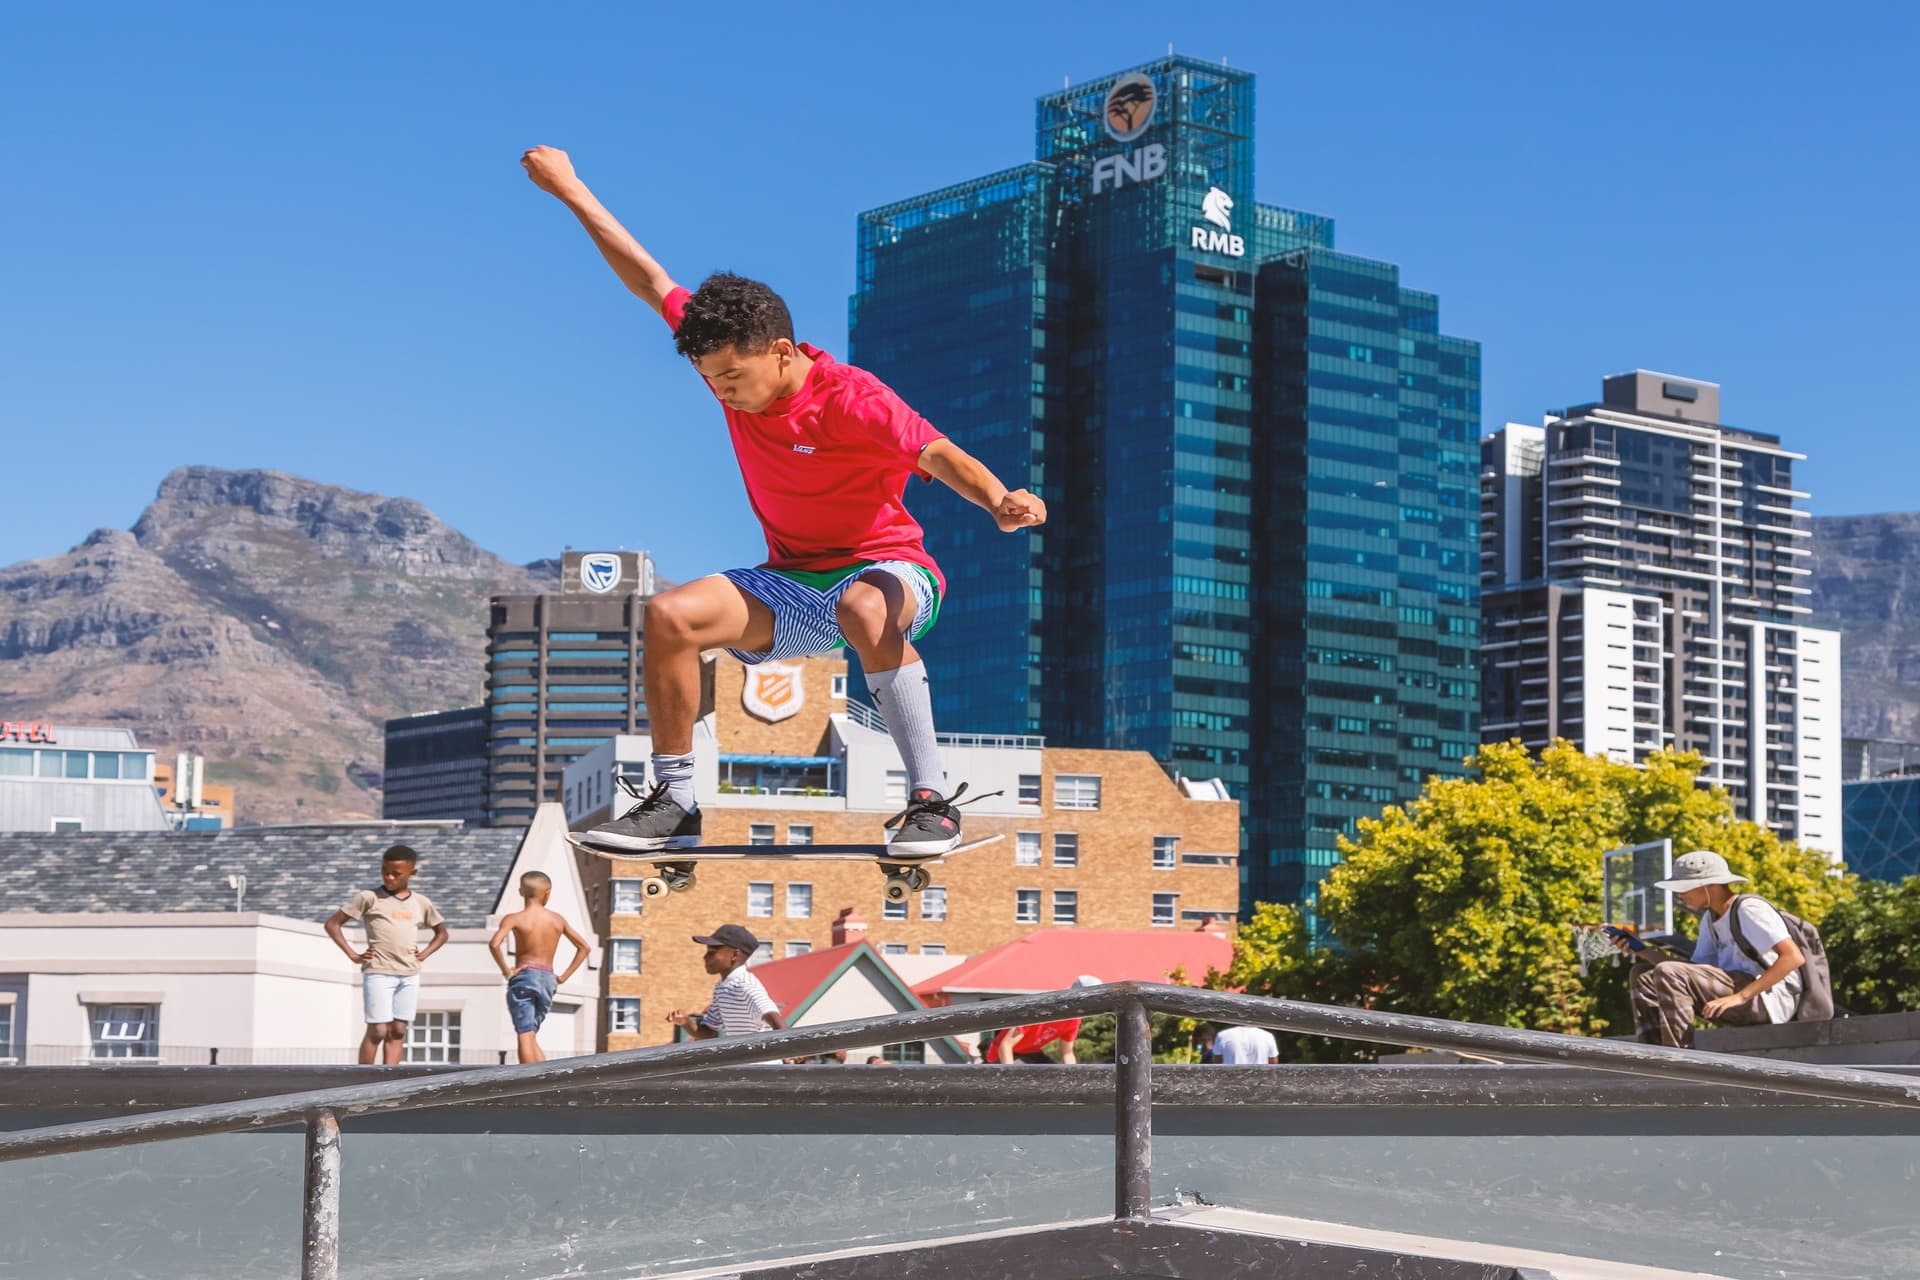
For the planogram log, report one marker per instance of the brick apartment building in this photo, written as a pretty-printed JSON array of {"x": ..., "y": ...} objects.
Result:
[{"x": 1090, "y": 839}]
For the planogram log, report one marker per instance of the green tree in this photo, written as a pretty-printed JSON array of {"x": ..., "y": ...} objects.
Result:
[
  {"x": 1873, "y": 945},
  {"x": 1459, "y": 905}
]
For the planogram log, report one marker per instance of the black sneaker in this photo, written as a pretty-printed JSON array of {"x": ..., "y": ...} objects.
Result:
[
  {"x": 929, "y": 825},
  {"x": 656, "y": 822}
]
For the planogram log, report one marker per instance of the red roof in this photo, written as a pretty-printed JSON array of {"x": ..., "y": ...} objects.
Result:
[
  {"x": 791, "y": 981},
  {"x": 1050, "y": 959}
]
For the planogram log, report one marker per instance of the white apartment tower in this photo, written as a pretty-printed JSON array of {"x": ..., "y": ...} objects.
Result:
[{"x": 1643, "y": 573}]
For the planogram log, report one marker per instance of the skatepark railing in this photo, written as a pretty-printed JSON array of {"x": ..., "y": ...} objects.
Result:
[{"x": 1133, "y": 1004}]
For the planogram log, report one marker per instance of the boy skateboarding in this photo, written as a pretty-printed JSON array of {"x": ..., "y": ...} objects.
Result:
[
  {"x": 826, "y": 451},
  {"x": 531, "y": 981}
]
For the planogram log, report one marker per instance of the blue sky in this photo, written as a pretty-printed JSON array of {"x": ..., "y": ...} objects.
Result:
[{"x": 251, "y": 236}]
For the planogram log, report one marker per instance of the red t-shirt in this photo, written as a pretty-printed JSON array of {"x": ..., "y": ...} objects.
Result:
[
  {"x": 826, "y": 468},
  {"x": 1032, "y": 1039}
]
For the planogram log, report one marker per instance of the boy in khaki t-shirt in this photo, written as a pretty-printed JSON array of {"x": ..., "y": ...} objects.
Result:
[{"x": 392, "y": 915}]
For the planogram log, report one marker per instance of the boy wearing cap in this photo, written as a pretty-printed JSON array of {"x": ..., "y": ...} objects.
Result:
[
  {"x": 1721, "y": 984},
  {"x": 740, "y": 1004}
]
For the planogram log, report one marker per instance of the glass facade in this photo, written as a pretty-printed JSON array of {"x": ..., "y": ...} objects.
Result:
[
  {"x": 1881, "y": 828},
  {"x": 1258, "y": 456}
]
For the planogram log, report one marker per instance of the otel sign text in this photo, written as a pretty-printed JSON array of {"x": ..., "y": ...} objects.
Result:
[
  {"x": 1128, "y": 111},
  {"x": 25, "y": 731}
]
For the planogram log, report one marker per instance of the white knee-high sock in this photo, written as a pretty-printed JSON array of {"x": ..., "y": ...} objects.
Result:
[
  {"x": 677, "y": 773},
  {"x": 904, "y": 699}
]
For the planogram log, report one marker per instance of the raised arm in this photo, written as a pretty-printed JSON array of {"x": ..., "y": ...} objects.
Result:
[
  {"x": 969, "y": 477},
  {"x": 553, "y": 173}
]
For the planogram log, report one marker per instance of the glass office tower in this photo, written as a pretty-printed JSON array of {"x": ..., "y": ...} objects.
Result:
[{"x": 1261, "y": 561}]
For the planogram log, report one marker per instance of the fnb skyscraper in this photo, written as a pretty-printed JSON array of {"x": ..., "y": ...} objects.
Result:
[{"x": 1259, "y": 457}]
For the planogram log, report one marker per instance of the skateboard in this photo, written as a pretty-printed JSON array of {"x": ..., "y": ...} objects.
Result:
[{"x": 674, "y": 872}]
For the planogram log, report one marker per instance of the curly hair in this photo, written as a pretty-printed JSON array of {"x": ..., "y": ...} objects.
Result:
[{"x": 732, "y": 311}]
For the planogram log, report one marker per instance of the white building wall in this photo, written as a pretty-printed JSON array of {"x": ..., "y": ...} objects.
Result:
[
  {"x": 1607, "y": 673},
  {"x": 1819, "y": 740}
]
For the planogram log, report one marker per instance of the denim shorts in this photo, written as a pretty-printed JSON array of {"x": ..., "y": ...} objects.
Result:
[
  {"x": 529, "y": 997},
  {"x": 805, "y": 620},
  {"x": 390, "y": 997}
]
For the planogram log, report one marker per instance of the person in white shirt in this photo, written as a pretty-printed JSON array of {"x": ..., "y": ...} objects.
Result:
[
  {"x": 1720, "y": 984},
  {"x": 740, "y": 1004},
  {"x": 1242, "y": 1046}
]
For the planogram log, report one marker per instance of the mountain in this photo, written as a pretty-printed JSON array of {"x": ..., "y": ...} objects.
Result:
[
  {"x": 269, "y": 622},
  {"x": 1866, "y": 581}
]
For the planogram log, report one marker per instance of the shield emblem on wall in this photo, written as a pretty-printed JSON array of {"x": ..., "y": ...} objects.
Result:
[
  {"x": 600, "y": 572},
  {"x": 773, "y": 691}
]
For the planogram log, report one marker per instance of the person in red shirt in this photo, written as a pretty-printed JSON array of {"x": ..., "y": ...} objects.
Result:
[
  {"x": 826, "y": 451},
  {"x": 1029, "y": 1043}
]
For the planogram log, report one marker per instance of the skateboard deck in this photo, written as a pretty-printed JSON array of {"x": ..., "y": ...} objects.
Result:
[{"x": 674, "y": 867}]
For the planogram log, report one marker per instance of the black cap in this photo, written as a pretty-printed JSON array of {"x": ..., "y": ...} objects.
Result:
[{"x": 730, "y": 935}]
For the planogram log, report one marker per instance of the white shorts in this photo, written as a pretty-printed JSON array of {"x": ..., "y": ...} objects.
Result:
[
  {"x": 390, "y": 997},
  {"x": 805, "y": 620}
]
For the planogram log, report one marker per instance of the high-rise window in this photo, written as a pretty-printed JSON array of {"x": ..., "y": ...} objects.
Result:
[
  {"x": 1066, "y": 906},
  {"x": 1076, "y": 791},
  {"x": 1026, "y": 849},
  {"x": 623, "y": 955},
  {"x": 1066, "y": 849},
  {"x": 1026, "y": 906},
  {"x": 623, "y": 1015},
  {"x": 933, "y": 902},
  {"x": 760, "y": 899},
  {"x": 1166, "y": 853},
  {"x": 626, "y": 897},
  {"x": 799, "y": 901},
  {"x": 125, "y": 1030},
  {"x": 1164, "y": 907}
]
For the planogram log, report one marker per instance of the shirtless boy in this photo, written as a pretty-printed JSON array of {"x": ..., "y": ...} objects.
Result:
[{"x": 531, "y": 982}]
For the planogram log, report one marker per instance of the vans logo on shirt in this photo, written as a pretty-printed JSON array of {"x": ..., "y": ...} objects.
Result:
[{"x": 803, "y": 448}]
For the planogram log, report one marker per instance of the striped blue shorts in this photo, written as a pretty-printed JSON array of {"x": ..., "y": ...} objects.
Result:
[{"x": 803, "y": 604}]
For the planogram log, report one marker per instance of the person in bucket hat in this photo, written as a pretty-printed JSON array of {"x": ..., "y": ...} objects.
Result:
[{"x": 1720, "y": 984}]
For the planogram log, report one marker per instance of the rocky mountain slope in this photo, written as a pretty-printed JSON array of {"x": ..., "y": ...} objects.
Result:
[
  {"x": 1866, "y": 581},
  {"x": 269, "y": 622}
]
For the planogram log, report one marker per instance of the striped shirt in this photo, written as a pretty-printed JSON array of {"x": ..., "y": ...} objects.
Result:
[{"x": 739, "y": 1005}]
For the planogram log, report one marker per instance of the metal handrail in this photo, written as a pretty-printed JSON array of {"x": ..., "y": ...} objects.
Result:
[{"x": 321, "y": 1110}]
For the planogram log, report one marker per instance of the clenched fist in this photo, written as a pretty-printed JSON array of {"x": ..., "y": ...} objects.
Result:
[
  {"x": 1019, "y": 510},
  {"x": 549, "y": 168}
]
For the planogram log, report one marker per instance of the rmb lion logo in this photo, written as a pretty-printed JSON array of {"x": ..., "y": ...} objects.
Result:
[{"x": 1217, "y": 208}]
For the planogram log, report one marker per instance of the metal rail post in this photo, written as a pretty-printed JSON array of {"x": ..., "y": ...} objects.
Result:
[
  {"x": 320, "y": 1207},
  {"x": 1133, "y": 1112}
]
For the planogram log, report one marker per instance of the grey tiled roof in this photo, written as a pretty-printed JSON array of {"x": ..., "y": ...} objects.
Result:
[{"x": 303, "y": 872}]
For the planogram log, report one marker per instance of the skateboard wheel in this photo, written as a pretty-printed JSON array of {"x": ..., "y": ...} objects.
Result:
[
  {"x": 654, "y": 887},
  {"x": 918, "y": 879},
  {"x": 898, "y": 890}
]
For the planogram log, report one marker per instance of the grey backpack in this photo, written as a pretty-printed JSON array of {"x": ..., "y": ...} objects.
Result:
[{"x": 1816, "y": 978}]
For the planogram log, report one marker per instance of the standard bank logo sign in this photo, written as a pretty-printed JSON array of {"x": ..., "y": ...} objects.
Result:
[{"x": 600, "y": 572}]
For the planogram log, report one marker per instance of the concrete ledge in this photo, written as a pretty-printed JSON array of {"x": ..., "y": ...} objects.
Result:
[{"x": 1876, "y": 1039}]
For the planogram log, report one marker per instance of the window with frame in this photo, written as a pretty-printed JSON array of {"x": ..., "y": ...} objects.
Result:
[
  {"x": 799, "y": 833},
  {"x": 1166, "y": 853},
  {"x": 1076, "y": 791},
  {"x": 433, "y": 1036},
  {"x": 760, "y": 833},
  {"x": 6, "y": 1033},
  {"x": 1166, "y": 906},
  {"x": 839, "y": 686},
  {"x": 68, "y": 826},
  {"x": 1066, "y": 848},
  {"x": 1029, "y": 789},
  {"x": 893, "y": 948},
  {"x": 1026, "y": 848},
  {"x": 125, "y": 1030},
  {"x": 760, "y": 899},
  {"x": 623, "y": 1015},
  {"x": 896, "y": 788},
  {"x": 893, "y": 910},
  {"x": 799, "y": 947},
  {"x": 933, "y": 902},
  {"x": 626, "y": 897},
  {"x": 1066, "y": 906},
  {"x": 1026, "y": 906},
  {"x": 761, "y": 954},
  {"x": 623, "y": 955},
  {"x": 933, "y": 948},
  {"x": 799, "y": 902},
  {"x": 909, "y": 1051}
]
